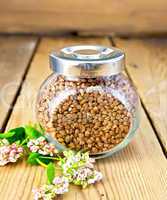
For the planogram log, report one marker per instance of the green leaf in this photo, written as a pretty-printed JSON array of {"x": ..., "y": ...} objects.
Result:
[
  {"x": 19, "y": 133},
  {"x": 51, "y": 172},
  {"x": 32, "y": 158},
  {"x": 41, "y": 163},
  {"x": 45, "y": 160},
  {"x": 32, "y": 133},
  {"x": 18, "y": 142},
  {"x": 13, "y": 135},
  {"x": 6, "y": 135}
]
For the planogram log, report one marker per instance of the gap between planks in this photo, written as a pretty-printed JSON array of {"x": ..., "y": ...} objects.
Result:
[
  {"x": 15, "y": 58},
  {"x": 130, "y": 174}
]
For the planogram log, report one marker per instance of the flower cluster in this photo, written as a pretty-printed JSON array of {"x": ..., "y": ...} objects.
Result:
[
  {"x": 9, "y": 152},
  {"x": 85, "y": 176},
  {"x": 45, "y": 192},
  {"x": 48, "y": 192},
  {"x": 61, "y": 184},
  {"x": 79, "y": 168},
  {"x": 41, "y": 146}
]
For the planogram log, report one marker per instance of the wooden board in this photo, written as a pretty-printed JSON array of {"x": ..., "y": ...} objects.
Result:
[
  {"x": 15, "y": 54},
  {"x": 147, "y": 66},
  {"x": 120, "y": 17},
  {"x": 138, "y": 172}
]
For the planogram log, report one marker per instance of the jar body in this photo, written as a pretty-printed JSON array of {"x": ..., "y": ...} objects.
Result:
[{"x": 99, "y": 115}]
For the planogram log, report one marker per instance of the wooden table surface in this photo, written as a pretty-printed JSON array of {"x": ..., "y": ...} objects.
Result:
[{"x": 139, "y": 172}]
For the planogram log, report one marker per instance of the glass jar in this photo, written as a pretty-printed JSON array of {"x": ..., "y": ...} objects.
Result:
[{"x": 87, "y": 103}]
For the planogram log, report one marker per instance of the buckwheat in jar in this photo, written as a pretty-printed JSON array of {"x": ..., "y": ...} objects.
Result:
[{"x": 87, "y": 103}]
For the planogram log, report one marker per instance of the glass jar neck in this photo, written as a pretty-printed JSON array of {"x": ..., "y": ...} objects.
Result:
[{"x": 76, "y": 78}]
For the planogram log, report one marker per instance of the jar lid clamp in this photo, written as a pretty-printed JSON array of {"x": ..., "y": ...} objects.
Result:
[{"x": 87, "y": 61}]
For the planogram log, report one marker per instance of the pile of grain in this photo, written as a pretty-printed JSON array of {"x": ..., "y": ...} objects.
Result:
[{"x": 83, "y": 114}]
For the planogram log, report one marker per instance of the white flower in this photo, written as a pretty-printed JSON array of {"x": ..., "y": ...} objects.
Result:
[
  {"x": 45, "y": 192},
  {"x": 41, "y": 139},
  {"x": 90, "y": 162},
  {"x": 4, "y": 142},
  {"x": 37, "y": 194},
  {"x": 48, "y": 192},
  {"x": 3, "y": 162},
  {"x": 97, "y": 176},
  {"x": 10, "y": 153},
  {"x": 82, "y": 173},
  {"x": 61, "y": 185},
  {"x": 79, "y": 168},
  {"x": 34, "y": 148},
  {"x": 42, "y": 152},
  {"x": 42, "y": 146},
  {"x": 85, "y": 176}
]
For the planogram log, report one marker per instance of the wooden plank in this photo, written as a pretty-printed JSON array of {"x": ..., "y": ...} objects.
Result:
[
  {"x": 15, "y": 53},
  {"x": 138, "y": 172},
  {"x": 147, "y": 62},
  {"x": 121, "y": 17}
]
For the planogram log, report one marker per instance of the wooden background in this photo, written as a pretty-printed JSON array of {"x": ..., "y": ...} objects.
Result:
[
  {"x": 139, "y": 171},
  {"x": 125, "y": 17}
]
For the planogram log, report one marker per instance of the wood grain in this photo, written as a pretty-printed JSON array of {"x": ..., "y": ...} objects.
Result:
[
  {"x": 15, "y": 53},
  {"x": 138, "y": 172},
  {"x": 147, "y": 66},
  {"x": 120, "y": 17}
]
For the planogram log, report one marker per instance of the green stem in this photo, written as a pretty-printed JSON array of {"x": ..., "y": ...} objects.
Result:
[
  {"x": 60, "y": 158},
  {"x": 41, "y": 163},
  {"x": 51, "y": 158},
  {"x": 24, "y": 141}
]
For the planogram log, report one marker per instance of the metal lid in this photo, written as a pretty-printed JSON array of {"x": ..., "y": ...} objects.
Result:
[{"x": 87, "y": 61}]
